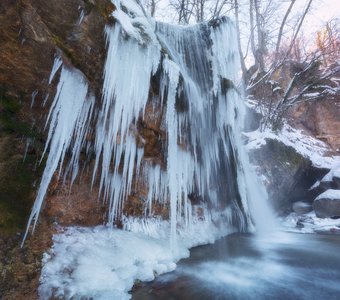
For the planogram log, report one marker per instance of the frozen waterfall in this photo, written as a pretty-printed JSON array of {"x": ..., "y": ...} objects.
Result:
[{"x": 197, "y": 71}]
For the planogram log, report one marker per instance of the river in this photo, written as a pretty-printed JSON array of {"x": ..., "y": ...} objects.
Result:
[{"x": 245, "y": 266}]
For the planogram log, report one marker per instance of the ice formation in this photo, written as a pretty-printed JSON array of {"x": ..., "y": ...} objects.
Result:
[
  {"x": 68, "y": 123},
  {"x": 105, "y": 262},
  {"x": 204, "y": 116},
  {"x": 205, "y": 178},
  {"x": 197, "y": 71}
]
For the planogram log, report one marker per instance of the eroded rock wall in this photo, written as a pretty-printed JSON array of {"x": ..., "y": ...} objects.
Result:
[{"x": 31, "y": 33}]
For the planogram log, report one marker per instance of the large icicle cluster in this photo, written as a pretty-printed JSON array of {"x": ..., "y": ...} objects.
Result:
[
  {"x": 197, "y": 68},
  {"x": 68, "y": 120}
]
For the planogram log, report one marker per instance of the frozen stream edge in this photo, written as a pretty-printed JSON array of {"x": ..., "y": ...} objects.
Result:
[{"x": 104, "y": 262}]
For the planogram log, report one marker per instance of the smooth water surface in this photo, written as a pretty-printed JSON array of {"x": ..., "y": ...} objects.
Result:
[{"x": 242, "y": 266}]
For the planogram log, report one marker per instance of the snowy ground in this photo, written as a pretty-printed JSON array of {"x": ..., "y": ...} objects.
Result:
[
  {"x": 310, "y": 223},
  {"x": 103, "y": 263},
  {"x": 305, "y": 145}
]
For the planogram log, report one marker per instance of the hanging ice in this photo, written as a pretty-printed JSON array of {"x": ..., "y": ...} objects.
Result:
[
  {"x": 196, "y": 69},
  {"x": 68, "y": 121}
]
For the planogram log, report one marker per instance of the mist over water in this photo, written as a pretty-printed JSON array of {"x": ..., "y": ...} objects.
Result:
[{"x": 282, "y": 266}]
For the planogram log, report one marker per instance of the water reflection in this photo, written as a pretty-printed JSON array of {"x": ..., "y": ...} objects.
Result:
[{"x": 280, "y": 266}]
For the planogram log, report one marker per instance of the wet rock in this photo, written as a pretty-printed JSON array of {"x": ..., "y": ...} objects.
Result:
[
  {"x": 327, "y": 205},
  {"x": 302, "y": 207}
]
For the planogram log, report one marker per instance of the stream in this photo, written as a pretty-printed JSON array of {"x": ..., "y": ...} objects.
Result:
[{"x": 244, "y": 266}]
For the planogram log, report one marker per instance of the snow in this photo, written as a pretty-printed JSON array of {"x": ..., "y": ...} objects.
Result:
[
  {"x": 134, "y": 21},
  {"x": 310, "y": 223},
  {"x": 104, "y": 262},
  {"x": 311, "y": 95},
  {"x": 277, "y": 89},
  {"x": 305, "y": 145},
  {"x": 329, "y": 194},
  {"x": 315, "y": 185},
  {"x": 334, "y": 172}
]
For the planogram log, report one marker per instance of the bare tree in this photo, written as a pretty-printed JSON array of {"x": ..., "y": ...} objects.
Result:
[
  {"x": 151, "y": 6},
  {"x": 283, "y": 23},
  {"x": 302, "y": 18},
  {"x": 261, "y": 49},
  {"x": 237, "y": 21},
  {"x": 189, "y": 11},
  {"x": 183, "y": 9},
  {"x": 328, "y": 42}
]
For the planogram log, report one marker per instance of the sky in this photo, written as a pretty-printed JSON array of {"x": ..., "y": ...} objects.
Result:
[{"x": 321, "y": 12}]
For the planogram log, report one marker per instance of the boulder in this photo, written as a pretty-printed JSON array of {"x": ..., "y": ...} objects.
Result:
[
  {"x": 327, "y": 205},
  {"x": 289, "y": 175},
  {"x": 302, "y": 207},
  {"x": 330, "y": 181},
  {"x": 336, "y": 177}
]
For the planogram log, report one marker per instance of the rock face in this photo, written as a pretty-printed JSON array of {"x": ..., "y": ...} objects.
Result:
[
  {"x": 327, "y": 205},
  {"x": 31, "y": 33},
  {"x": 321, "y": 118}
]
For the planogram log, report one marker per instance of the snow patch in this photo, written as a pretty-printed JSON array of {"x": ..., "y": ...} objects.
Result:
[
  {"x": 134, "y": 21},
  {"x": 329, "y": 194},
  {"x": 305, "y": 145},
  {"x": 310, "y": 223},
  {"x": 334, "y": 172}
]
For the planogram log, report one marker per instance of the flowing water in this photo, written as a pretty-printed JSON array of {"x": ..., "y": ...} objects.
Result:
[{"x": 243, "y": 266}]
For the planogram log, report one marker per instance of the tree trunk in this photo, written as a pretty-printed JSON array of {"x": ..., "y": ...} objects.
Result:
[
  {"x": 260, "y": 51},
  {"x": 279, "y": 38},
  {"x": 243, "y": 65}
]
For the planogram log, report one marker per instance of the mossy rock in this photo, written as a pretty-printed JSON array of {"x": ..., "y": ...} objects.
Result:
[
  {"x": 289, "y": 174},
  {"x": 18, "y": 170}
]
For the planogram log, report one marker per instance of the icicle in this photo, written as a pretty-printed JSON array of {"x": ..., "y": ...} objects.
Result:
[
  {"x": 128, "y": 69},
  {"x": 56, "y": 65},
  {"x": 34, "y": 94},
  {"x": 67, "y": 113},
  {"x": 173, "y": 161},
  {"x": 203, "y": 120}
]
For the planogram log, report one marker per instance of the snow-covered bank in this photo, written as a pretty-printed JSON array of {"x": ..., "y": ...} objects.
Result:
[
  {"x": 103, "y": 262},
  {"x": 310, "y": 223},
  {"x": 305, "y": 145}
]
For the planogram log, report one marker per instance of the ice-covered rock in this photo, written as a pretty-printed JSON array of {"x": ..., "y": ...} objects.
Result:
[
  {"x": 310, "y": 223},
  {"x": 330, "y": 181},
  {"x": 332, "y": 177},
  {"x": 327, "y": 204}
]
